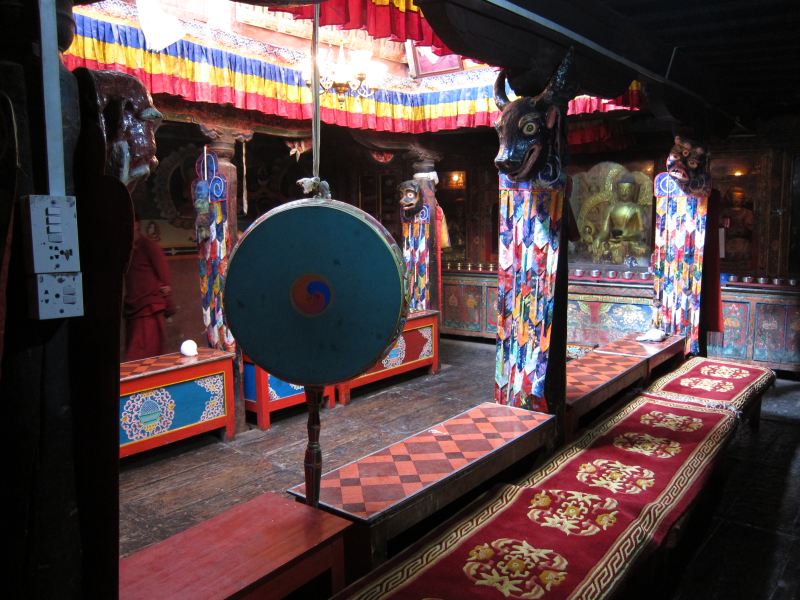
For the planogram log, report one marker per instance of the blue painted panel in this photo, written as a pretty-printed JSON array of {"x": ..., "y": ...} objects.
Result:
[
  {"x": 154, "y": 412},
  {"x": 280, "y": 389},
  {"x": 249, "y": 380}
]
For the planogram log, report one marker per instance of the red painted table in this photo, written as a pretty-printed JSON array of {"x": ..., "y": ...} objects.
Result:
[
  {"x": 264, "y": 393},
  {"x": 395, "y": 488},
  {"x": 417, "y": 346},
  {"x": 264, "y": 548},
  {"x": 170, "y": 397}
]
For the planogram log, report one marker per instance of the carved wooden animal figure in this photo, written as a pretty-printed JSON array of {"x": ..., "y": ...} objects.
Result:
[
  {"x": 530, "y": 129},
  {"x": 687, "y": 164}
]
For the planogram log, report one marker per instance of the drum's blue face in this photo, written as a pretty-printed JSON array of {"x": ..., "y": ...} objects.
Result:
[{"x": 315, "y": 292}]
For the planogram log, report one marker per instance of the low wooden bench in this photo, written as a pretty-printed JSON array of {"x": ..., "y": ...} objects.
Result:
[
  {"x": 581, "y": 525},
  {"x": 265, "y": 548},
  {"x": 596, "y": 377},
  {"x": 393, "y": 489}
]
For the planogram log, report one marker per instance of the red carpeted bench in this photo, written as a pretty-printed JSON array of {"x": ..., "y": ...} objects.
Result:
[
  {"x": 577, "y": 526},
  {"x": 264, "y": 548},
  {"x": 580, "y": 525},
  {"x": 719, "y": 383}
]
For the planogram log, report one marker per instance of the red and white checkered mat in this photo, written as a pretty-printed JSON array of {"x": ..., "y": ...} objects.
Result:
[
  {"x": 167, "y": 362},
  {"x": 593, "y": 371},
  {"x": 371, "y": 485}
]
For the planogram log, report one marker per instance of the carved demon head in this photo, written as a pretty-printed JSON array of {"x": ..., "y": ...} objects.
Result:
[
  {"x": 531, "y": 131},
  {"x": 687, "y": 164},
  {"x": 410, "y": 198},
  {"x": 129, "y": 122}
]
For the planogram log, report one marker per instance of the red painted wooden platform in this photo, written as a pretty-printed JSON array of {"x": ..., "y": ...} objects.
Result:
[
  {"x": 420, "y": 339},
  {"x": 393, "y": 489},
  {"x": 264, "y": 548},
  {"x": 168, "y": 369}
]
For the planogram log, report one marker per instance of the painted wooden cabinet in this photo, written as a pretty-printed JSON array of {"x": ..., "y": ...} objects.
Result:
[
  {"x": 762, "y": 322},
  {"x": 417, "y": 346},
  {"x": 762, "y": 326},
  {"x": 171, "y": 397}
]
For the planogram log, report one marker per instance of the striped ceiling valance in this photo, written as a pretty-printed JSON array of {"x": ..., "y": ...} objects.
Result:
[{"x": 194, "y": 70}]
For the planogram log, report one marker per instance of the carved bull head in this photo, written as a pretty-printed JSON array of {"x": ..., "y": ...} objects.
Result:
[
  {"x": 410, "y": 198},
  {"x": 687, "y": 164},
  {"x": 531, "y": 130}
]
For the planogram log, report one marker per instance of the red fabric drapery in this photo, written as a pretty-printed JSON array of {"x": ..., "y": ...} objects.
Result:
[{"x": 398, "y": 20}]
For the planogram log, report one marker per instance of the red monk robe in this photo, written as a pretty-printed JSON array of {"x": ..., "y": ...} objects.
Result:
[{"x": 148, "y": 299}]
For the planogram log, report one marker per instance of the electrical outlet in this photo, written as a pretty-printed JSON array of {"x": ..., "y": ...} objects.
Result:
[
  {"x": 53, "y": 261},
  {"x": 58, "y": 295},
  {"x": 52, "y": 234}
]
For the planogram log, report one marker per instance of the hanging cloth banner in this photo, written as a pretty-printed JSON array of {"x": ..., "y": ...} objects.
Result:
[
  {"x": 200, "y": 71},
  {"x": 680, "y": 233},
  {"x": 416, "y": 255},
  {"x": 399, "y": 20},
  {"x": 530, "y": 229},
  {"x": 210, "y": 193}
]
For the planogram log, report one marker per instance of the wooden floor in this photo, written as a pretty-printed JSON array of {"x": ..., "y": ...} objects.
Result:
[{"x": 169, "y": 489}]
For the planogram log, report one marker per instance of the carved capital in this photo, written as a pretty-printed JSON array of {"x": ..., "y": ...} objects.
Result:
[{"x": 225, "y": 135}]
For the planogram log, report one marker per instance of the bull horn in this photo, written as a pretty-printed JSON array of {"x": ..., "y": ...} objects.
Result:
[
  {"x": 558, "y": 82},
  {"x": 500, "y": 97}
]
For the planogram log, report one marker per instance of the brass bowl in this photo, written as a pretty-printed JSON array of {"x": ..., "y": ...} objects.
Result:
[
  {"x": 595, "y": 273},
  {"x": 747, "y": 279},
  {"x": 579, "y": 272},
  {"x": 627, "y": 275}
]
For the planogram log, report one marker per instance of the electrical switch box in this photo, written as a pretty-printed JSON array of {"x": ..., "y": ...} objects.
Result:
[
  {"x": 53, "y": 228},
  {"x": 57, "y": 295},
  {"x": 53, "y": 259}
]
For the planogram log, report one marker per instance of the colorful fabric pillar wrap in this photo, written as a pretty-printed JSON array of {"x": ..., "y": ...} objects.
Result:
[
  {"x": 417, "y": 258},
  {"x": 530, "y": 225},
  {"x": 680, "y": 233},
  {"x": 210, "y": 192}
]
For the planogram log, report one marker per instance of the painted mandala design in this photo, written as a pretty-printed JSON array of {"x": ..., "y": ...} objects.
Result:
[
  {"x": 574, "y": 513},
  {"x": 273, "y": 395},
  {"x": 656, "y": 418},
  {"x": 147, "y": 414},
  {"x": 396, "y": 354},
  {"x": 615, "y": 476},
  {"x": 515, "y": 568},
  {"x": 643, "y": 443},
  {"x": 427, "y": 349},
  {"x": 724, "y": 371},
  {"x": 215, "y": 405},
  {"x": 708, "y": 385}
]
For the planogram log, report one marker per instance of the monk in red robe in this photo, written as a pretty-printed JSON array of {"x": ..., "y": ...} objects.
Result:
[{"x": 148, "y": 298}]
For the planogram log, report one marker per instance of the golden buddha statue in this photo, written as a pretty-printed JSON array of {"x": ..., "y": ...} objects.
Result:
[
  {"x": 612, "y": 210},
  {"x": 621, "y": 230}
]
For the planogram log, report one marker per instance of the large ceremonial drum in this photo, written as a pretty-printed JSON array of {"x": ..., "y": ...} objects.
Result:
[{"x": 315, "y": 292}]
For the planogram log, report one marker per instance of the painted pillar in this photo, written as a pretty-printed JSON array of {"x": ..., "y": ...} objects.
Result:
[
  {"x": 215, "y": 194},
  {"x": 530, "y": 239},
  {"x": 680, "y": 233}
]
